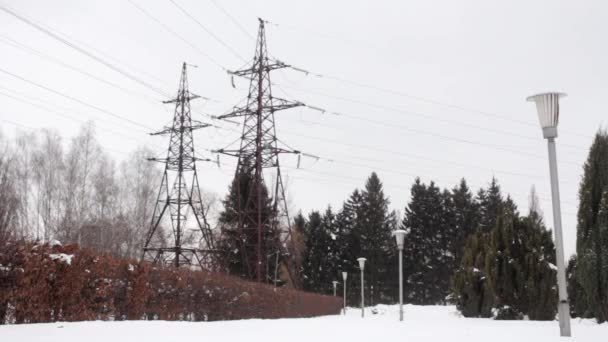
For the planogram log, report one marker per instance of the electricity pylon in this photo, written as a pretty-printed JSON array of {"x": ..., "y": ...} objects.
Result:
[
  {"x": 260, "y": 150},
  {"x": 181, "y": 199}
]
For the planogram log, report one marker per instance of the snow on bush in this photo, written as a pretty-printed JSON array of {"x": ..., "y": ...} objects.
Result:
[{"x": 64, "y": 283}]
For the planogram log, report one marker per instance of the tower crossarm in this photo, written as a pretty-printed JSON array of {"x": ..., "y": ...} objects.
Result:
[{"x": 188, "y": 127}]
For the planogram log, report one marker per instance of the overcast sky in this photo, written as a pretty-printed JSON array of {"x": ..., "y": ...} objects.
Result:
[{"x": 434, "y": 89}]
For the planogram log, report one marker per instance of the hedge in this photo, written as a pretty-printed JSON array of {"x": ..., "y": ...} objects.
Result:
[{"x": 49, "y": 283}]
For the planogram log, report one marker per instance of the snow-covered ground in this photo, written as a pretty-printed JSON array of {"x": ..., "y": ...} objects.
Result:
[{"x": 422, "y": 323}]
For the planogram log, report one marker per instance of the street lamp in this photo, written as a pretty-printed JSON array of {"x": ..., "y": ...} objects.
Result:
[
  {"x": 400, "y": 236},
  {"x": 362, "y": 267},
  {"x": 344, "y": 275},
  {"x": 335, "y": 282},
  {"x": 547, "y": 106}
]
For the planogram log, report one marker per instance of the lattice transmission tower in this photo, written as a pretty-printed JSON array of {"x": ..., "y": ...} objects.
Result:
[
  {"x": 259, "y": 150},
  {"x": 183, "y": 198}
]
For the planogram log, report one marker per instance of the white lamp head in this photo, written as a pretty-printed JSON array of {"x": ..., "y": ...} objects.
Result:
[
  {"x": 547, "y": 106},
  {"x": 344, "y": 275},
  {"x": 400, "y": 236},
  {"x": 361, "y": 263},
  {"x": 335, "y": 282}
]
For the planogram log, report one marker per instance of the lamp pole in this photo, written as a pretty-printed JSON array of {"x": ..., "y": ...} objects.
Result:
[
  {"x": 400, "y": 236},
  {"x": 344, "y": 275},
  {"x": 362, "y": 267},
  {"x": 335, "y": 282},
  {"x": 547, "y": 106}
]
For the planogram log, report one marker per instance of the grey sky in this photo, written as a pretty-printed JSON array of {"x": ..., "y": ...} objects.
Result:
[{"x": 482, "y": 57}]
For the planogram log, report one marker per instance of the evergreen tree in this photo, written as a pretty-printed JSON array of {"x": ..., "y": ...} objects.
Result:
[
  {"x": 297, "y": 247},
  {"x": 469, "y": 283},
  {"x": 240, "y": 244},
  {"x": 592, "y": 242},
  {"x": 377, "y": 224},
  {"x": 508, "y": 273},
  {"x": 427, "y": 248},
  {"x": 315, "y": 239},
  {"x": 331, "y": 254},
  {"x": 465, "y": 219},
  {"x": 350, "y": 228},
  {"x": 490, "y": 205}
]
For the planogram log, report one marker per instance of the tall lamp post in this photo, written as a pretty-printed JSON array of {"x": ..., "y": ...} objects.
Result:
[
  {"x": 344, "y": 276},
  {"x": 547, "y": 106},
  {"x": 362, "y": 267},
  {"x": 335, "y": 282},
  {"x": 400, "y": 236}
]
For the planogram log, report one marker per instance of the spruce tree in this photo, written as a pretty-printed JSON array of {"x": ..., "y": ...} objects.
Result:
[
  {"x": 427, "y": 245},
  {"x": 239, "y": 244},
  {"x": 350, "y": 227},
  {"x": 331, "y": 253},
  {"x": 315, "y": 239},
  {"x": 471, "y": 294},
  {"x": 377, "y": 245},
  {"x": 508, "y": 273},
  {"x": 465, "y": 219},
  {"x": 591, "y": 244},
  {"x": 490, "y": 204}
]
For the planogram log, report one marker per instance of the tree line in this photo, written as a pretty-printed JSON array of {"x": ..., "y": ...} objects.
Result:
[
  {"x": 471, "y": 248},
  {"x": 77, "y": 194},
  {"x": 475, "y": 250}
]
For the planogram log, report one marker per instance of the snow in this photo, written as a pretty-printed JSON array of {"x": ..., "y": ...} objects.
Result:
[
  {"x": 552, "y": 266},
  {"x": 422, "y": 323},
  {"x": 54, "y": 243},
  {"x": 67, "y": 258}
]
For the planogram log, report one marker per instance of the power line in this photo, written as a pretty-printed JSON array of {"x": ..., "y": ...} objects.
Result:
[
  {"x": 414, "y": 97},
  {"x": 99, "y": 109},
  {"x": 83, "y": 51},
  {"x": 423, "y": 115},
  {"x": 28, "y": 49},
  {"x": 180, "y": 37},
  {"x": 233, "y": 20},
  {"x": 66, "y": 116},
  {"x": 186, "y": 13}
]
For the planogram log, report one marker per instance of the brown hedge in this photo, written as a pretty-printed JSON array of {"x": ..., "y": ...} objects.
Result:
[{"x": 34, "y": 287}]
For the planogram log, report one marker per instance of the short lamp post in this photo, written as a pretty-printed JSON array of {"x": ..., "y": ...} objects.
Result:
[
  {"x": 362, "y": 267},
  {"x": 335, "y": 282},
  {"x": 547, "y": 106},
  {"x": 344, "y": 276},
  {"x": 400, "y": 236}
]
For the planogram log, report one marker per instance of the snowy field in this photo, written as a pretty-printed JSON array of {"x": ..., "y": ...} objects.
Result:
[{"x": 430, "y": 323}]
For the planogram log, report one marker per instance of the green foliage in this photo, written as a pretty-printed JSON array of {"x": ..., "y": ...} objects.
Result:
[
  {"x": 363, "y": 227},
  {"x": 427, "y": 255},
  {"x": 508, "y": 272},
  {"x": 591, "y": 269},
  {"x": 235, "y": 240}
]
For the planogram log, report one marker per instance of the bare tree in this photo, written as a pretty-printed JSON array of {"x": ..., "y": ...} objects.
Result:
[
  {"x": 535, "y": 211},
  {"x": 9, "y": 198},
  {"x": 137, "y": 187},
  {"x": 48, "y": 167}
]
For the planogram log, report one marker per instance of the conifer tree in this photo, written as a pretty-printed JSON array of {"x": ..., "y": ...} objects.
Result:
[
  {"x": 465, "y": 219},
  {"x": 471, "y": 294},
  {"x": 377, "y": 223},
  {"x": 591, "y": 244},
  {"x": 508, "y": 273},
  {"x": 490, "y": 203},
  {"x": 315, "y": 240},
  {"x": 427, "y": 249},
  {"x": 350, "y": 227},
  {"x": 239, "y": 244}
]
